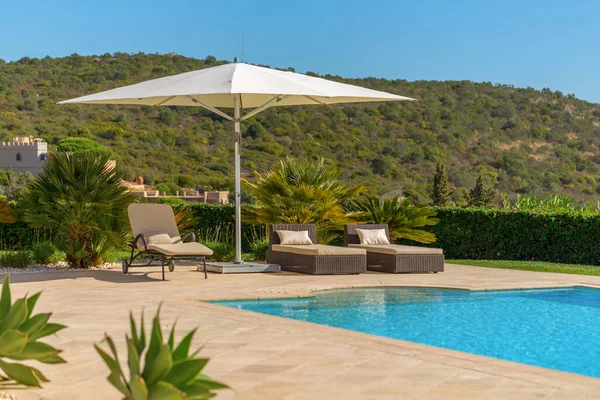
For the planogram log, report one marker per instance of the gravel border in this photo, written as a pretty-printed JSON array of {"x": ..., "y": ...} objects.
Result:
[{"x": 58, "y": 267}]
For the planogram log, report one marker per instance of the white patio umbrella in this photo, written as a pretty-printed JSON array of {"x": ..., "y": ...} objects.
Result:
[{"x": 237, "y": 86}]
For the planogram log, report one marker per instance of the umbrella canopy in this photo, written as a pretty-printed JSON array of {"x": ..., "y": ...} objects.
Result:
[
  {"x": 217, "y": 86},
  {"x": 237, "y": 86}
]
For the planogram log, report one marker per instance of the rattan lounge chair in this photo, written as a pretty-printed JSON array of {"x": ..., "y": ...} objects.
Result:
[
  {"x": 313, "y": 259},
  {"x": 395, "y": 258},
  {"x": 156, "y": 235}
]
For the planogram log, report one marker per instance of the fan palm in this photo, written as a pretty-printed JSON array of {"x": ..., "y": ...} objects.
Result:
[
  {"x": 301, "y": 191},
  {"x": 80, "y": 199},
  {"x": 401, "y": 217}
]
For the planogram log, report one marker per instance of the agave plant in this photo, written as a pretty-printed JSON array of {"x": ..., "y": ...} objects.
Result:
[
  {"x": 403, "y": 218},
  {"x": 20, "y": 332},
  {"x": 169, "y": 370}
]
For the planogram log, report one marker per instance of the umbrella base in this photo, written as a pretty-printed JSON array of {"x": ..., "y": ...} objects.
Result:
[{"x": 247, "y": 267}]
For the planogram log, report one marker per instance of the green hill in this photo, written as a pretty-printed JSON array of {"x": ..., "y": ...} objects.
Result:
[{"x": 520, "y": 140}]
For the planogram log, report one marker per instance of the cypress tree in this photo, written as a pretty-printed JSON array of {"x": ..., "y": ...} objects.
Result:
[
  {"x": 440, "y": 193},
  {"x": 479, "y": 196}
]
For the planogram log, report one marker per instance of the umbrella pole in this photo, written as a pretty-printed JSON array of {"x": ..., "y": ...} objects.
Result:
[{"x": 238, "y": 196}]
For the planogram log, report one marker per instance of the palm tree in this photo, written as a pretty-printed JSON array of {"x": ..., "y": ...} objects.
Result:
[
  {"x": 79, "y": 198},
  {"x": 401, "y": 217},
  {"x": 301, "y": 191}
]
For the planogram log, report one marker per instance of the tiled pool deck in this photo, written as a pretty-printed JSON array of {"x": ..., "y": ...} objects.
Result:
[{"x": 266, "y": 357}]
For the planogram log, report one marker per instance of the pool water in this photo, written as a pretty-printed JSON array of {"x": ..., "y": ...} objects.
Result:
[{"x": 551, "y": 328}]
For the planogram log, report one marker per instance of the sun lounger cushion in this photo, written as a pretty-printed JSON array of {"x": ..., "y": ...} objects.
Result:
[
  {"x": 396, "y": 249},
  {"x": 159, "y": 238},
  {"x": 372, "y": 236},
  {"x": 294, "y": 237},
  {"x": 317, "y": 250},
  {"x": 181, "y": 249}
]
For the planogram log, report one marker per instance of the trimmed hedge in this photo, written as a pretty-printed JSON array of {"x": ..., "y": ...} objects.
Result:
[
  {"x": 572, "y": 237},
  {"x": 566, "y": 237}
]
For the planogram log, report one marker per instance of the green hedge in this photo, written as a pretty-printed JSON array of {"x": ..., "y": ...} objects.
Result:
[
  {"x": 511, "y": 235},
  {"x": 463, "y": 233}
]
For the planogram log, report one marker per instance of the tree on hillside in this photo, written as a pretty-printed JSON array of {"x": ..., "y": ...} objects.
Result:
[
  {"x": 479, "y": 196},
  {"x": 440, "y": 193},
  {"x": 81, "y": 145}
]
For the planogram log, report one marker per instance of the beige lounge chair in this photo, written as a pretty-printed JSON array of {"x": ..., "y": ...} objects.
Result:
[
  {"x": 156, "y": 234},
  {"x": 395, "y": 258}
]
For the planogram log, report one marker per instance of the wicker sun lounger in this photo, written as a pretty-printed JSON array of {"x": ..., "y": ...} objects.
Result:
[
  {"x": 156, "y": 234},
  {"x": 313, "y": 259},
  {"x": 395, "y": 258}
]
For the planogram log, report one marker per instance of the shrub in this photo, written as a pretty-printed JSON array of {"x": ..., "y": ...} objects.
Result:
[
  {"x": 221, "y": 240},
  {"x": 20, "y": 331},
  {"x": 170, "y": 189},
  {"x": 222, "y": 251},
  {"x": 44, "y": 253},
  {"x": 169, "y": 371},
  {"x": 15, "y": 259},
  {"x": 82, "y": 201},
  {"x": 403, "y": 219},
  {"x": 300, "y": 191},
  {"x": 259, "y": 247}
]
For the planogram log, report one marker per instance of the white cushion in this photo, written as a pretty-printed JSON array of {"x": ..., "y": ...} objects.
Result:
[
  {"x": 372, "y": 236},
  {"x": 159, "y": 238},
  {"x": 294, "y": 237}
]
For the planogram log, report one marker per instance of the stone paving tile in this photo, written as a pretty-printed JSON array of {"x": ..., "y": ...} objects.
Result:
[{"x": 265, "y": 357}]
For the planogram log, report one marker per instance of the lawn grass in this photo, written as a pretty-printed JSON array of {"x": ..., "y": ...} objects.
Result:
[{"x": 538, "y": 266}]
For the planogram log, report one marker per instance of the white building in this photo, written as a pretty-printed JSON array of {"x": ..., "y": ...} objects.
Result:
[{"x": 24, "y": 154}]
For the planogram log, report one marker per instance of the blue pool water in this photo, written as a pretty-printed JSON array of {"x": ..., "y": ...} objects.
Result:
[{"x": 551, "y": 328}]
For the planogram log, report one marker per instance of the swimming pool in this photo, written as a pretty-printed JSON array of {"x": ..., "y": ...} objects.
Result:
[{"x": 551, "y": 328}]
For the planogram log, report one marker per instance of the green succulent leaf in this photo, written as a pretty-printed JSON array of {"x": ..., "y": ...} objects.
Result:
[
  {"x": 12, "y": 342},
  {"x": 55, "y": 359},
  {"x": 138, "y": 340},
  {"x": 165, "y": 391},
  {"x": 139, "y": 391},
  {"x": 156, "y": 340},
  {"x": 209, "y": 383},
  {"x": 158, "y": 367},
  {"x": 22, "y": 374},
  {"x": 35, "y": 323},
  {"x": 133, "y": 359},
  {"x": 116, "y": 376},
  {"x": 171, "y": 341},
  {"x": 47, "y": 330},
  {"x": 39, "y": 375},
  {"x": 5, "y": 298},
  {"x": 37, "y": 351},
  {"x": 31, "y": 302},
  {"x": 185, "y": 371},
  {"x": 183, "y": 349},
  {"x": 16, "y": 315}
]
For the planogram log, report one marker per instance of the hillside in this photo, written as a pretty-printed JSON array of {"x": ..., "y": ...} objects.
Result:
[{"x": 520, "y": 140}]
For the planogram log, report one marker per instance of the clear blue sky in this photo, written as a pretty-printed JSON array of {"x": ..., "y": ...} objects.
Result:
[{"x": 537, "y": 43}]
